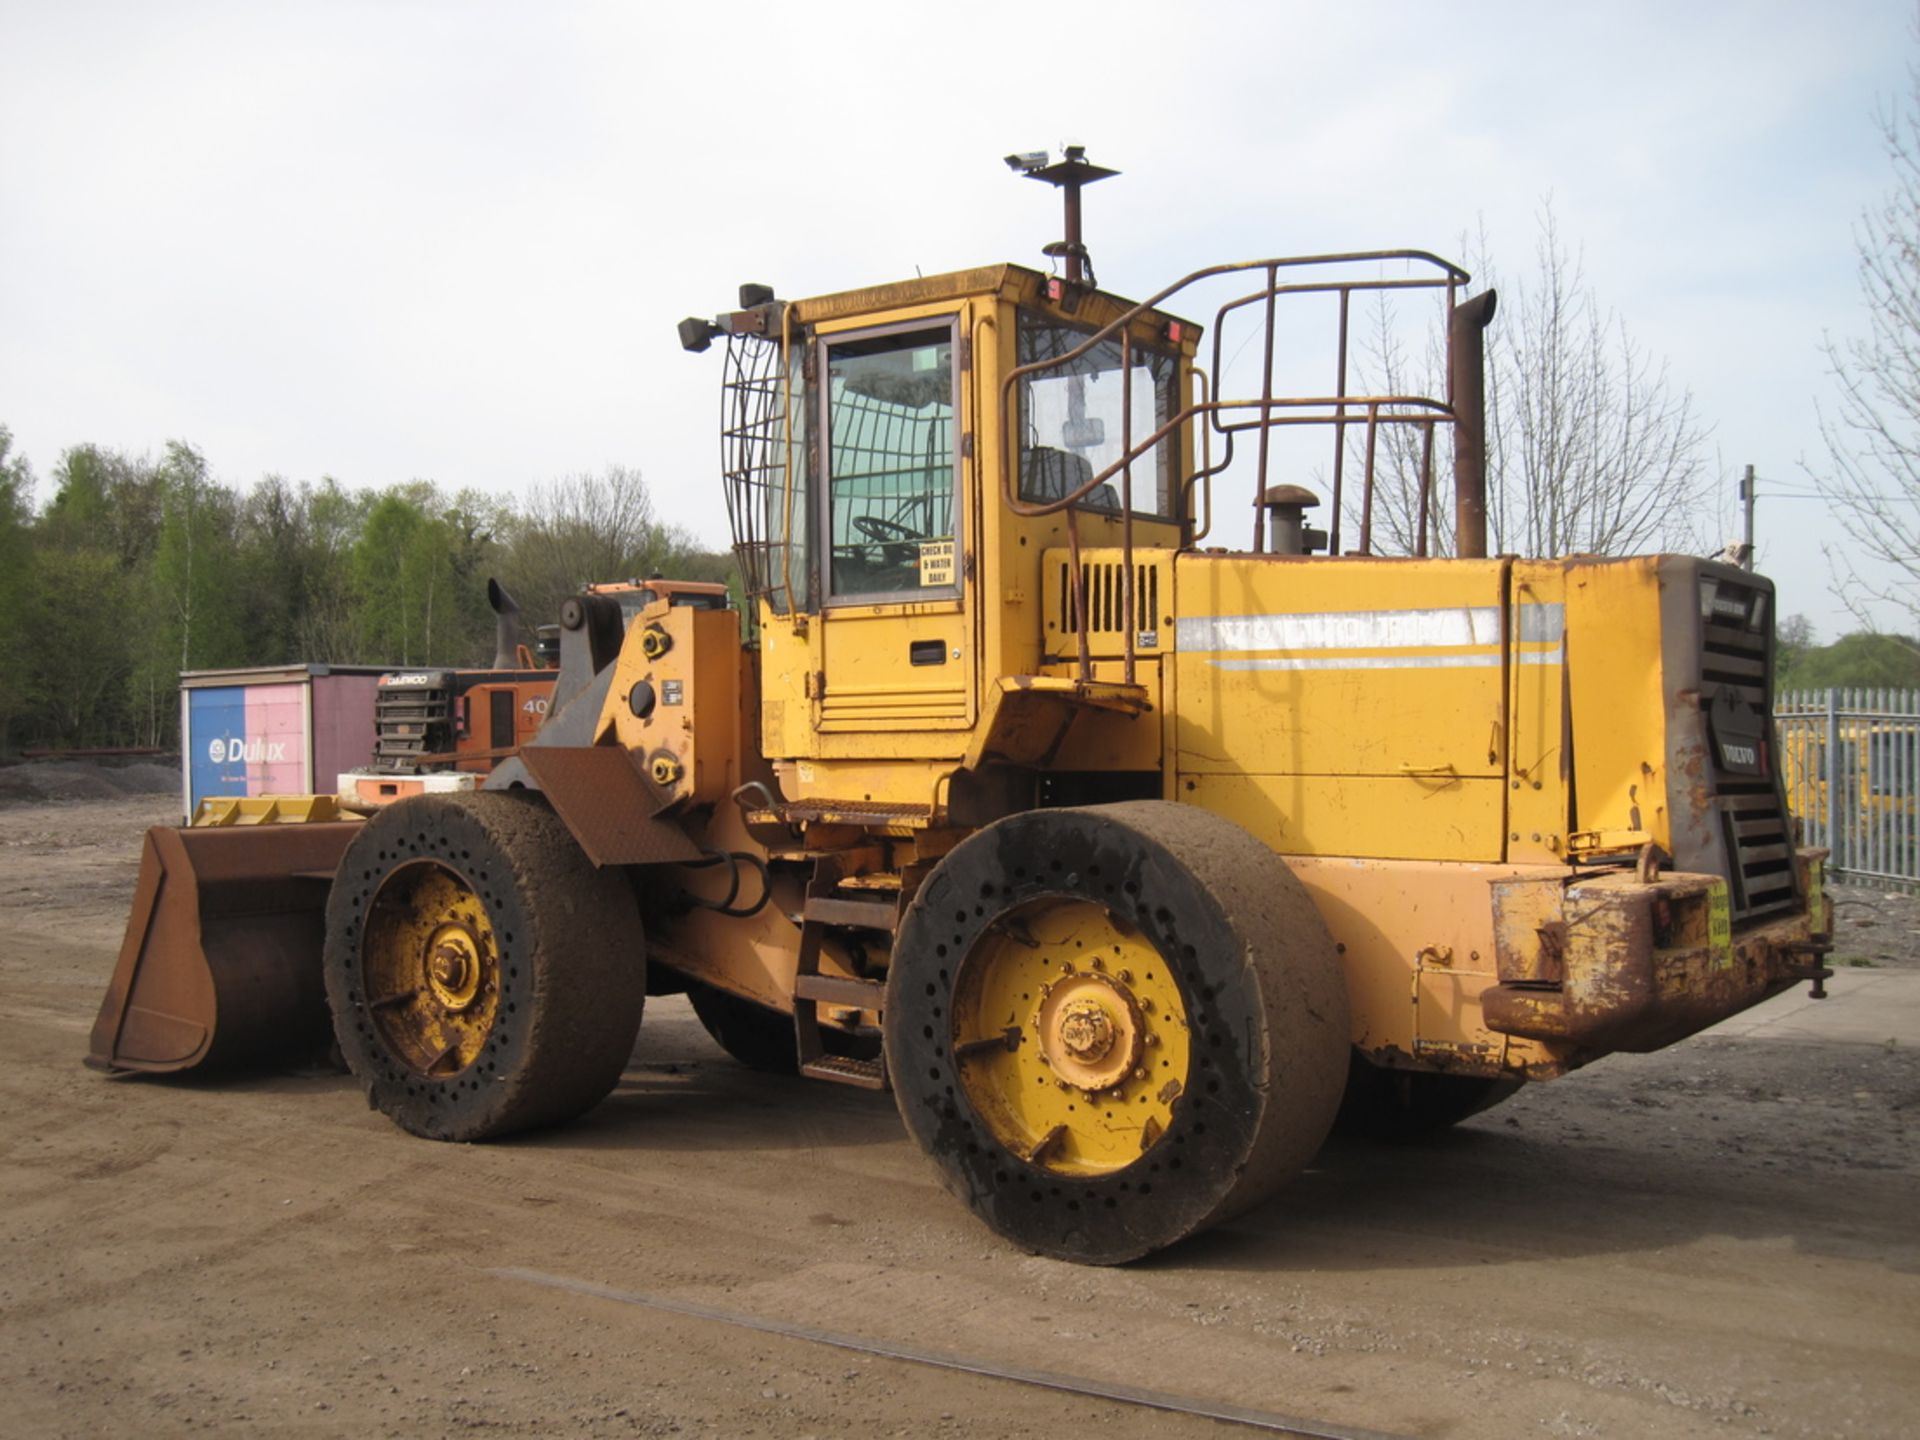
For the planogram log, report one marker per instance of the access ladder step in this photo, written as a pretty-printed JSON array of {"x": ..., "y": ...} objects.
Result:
[
  {"x": 840, "y": 990},
  {"x": 868, "y": 914},
  {"x": 867, "y": 1074}
]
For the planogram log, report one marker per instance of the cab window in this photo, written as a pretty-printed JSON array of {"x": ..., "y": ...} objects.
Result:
[
  {"x": 891, "y": 465},
  {"x": 1073, "y": 418}
]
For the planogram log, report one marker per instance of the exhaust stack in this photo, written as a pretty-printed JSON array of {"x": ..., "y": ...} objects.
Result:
[
  {"x": 1467, "y": 388},
  {"x": 506, "y": 626}
]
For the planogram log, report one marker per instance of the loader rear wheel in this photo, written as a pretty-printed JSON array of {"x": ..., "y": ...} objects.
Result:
[
  {"x": 763, "y": 1039},
  {"x": 1112, "y": 1027},
  {"x": 759, "y": 1038},
  {"x": 484, "y": 978}
]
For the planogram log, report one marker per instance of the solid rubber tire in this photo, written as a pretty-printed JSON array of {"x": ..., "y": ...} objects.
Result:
[
  {"x": 572, "y": 966},
  {"x": 761, "y": 1038},
  {"x": 1265, "y": 1000}
]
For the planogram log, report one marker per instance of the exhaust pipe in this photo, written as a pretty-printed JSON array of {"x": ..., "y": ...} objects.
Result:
[
  {"x": 1467, "y": 384},
  {"x": 506, "y": 626}
]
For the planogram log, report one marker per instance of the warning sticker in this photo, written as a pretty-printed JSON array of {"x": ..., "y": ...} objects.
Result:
[
  {"x": 1720, "y": 924},
  {"x": 936, "y": 563}
]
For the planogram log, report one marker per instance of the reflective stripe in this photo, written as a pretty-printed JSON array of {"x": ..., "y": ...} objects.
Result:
[
  {"x": 1366, "y": 629},
  {"x": 1543, "y": 622},
  {"x": 1388, "y": 662}
]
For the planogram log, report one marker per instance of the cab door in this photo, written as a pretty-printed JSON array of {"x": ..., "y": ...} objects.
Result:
[{"x": 895, "y": 655}]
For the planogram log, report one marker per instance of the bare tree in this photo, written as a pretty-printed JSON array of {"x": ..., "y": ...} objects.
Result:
[
  {"x": 582, "y": 529},
  {"x": 1591, "y": 446},
  {"x": 1872, "y": 430}
]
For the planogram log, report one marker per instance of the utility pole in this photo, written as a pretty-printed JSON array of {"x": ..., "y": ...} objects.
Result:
[{"x": 1746, "y": 535}]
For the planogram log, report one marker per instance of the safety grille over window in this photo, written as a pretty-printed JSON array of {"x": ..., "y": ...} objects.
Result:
[
  {"x": 891, "y": 462},
  {"x": 759, "y": 430}
]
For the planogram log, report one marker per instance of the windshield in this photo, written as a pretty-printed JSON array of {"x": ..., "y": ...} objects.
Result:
[{"x": 1073, "y": 420}]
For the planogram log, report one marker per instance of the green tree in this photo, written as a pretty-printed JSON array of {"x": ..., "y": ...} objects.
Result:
[
  {"x": 330, "y": 628},
  {"x": 406, "y": 581},
  {"x": 18, "y": 586},
  {"x": 80, "y": 652},
  {"x": 583, "y": 529},
  {"x": 1862, "y": 659},
  {"x": 92, "y": 609},
  {"x": 108, "y": 501},
  {"x": 196, "y": 616},
  {"x": 1792, "y": 643}
]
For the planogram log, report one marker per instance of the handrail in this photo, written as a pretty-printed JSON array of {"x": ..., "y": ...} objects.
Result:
[{"x": 1224, "y": 416}]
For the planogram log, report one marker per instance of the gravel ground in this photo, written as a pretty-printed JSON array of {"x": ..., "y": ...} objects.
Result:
[{"x": 1721, "y": 1238}]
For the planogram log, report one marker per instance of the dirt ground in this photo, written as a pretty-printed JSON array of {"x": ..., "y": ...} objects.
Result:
[{"x": 1722, "y": 1238}]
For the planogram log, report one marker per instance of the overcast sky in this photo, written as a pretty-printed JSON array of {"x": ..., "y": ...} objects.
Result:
[{"x": 450, "y": 241}]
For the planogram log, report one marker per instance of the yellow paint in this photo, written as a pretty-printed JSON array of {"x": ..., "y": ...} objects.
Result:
[
  {"x": 1537, "y": 787},
  {"x": 430, "y": 968},
  {"x": 1720, "y": 922},
  {"x": 1616, "y": 680},
  {"x": 1384, "y": 913},
  {"x": 1409, "y": 733},
  {"x": 690, "y": 662},
  {"x": 268, "y": 810},
  {"x": 1070, "y": 1036},
  {"x": 1345, "y": 706},
  {"x": 1427, "y": 817}
]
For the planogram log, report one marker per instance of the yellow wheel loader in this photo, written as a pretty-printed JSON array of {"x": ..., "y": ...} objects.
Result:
[{"x": 1121, "y": 859}]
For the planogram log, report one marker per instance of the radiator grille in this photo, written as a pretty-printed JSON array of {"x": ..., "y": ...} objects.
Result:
[{"x": 1753, "y": 814}]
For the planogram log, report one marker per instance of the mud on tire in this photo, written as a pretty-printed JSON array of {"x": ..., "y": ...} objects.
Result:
[
  {"x": 1115, "y": 1026},
  {"x": 484, "y": 978}
]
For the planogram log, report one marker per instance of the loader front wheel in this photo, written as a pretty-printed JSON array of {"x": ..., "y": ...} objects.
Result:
[
  {"x": 1112, "y": 1027},
  {"x": 484, "y": 977}
]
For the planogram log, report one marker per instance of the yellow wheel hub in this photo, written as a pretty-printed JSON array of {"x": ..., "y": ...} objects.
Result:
[
  {"x": 431, "y": 968},
  {"x": 1090, "y": 1030},
  {"x": 454, "y": 966},
  {"x": 1070, "y": 1036}
]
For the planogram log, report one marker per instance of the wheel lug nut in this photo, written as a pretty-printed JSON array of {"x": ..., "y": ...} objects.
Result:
[{"x": 1125, "y": 977}]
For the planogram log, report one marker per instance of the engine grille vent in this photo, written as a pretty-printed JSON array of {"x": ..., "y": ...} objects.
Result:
[
  {"x": 1106, "y": 601},
  {"x": 1753, "y": 813}
]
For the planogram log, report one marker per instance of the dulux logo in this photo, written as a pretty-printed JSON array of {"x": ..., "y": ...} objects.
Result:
[{"x": 248, "y": 752}]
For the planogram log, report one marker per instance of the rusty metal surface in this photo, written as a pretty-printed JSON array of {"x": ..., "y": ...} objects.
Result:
[
  {"x": 847, "y": 812},
  {"x": 1644, "y": 965},
  {"x": 599, "y": 791},
  {"x": 221, "y": 957}
]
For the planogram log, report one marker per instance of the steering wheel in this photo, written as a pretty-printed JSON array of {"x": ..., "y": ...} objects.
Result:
[{"x": 895, "y": 540}]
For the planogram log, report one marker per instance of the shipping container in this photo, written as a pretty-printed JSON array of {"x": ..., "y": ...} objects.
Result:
[{"x": 274, "y": 729}]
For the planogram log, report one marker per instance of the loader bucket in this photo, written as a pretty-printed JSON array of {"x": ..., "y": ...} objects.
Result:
[{"x": 221, "y": 960}]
